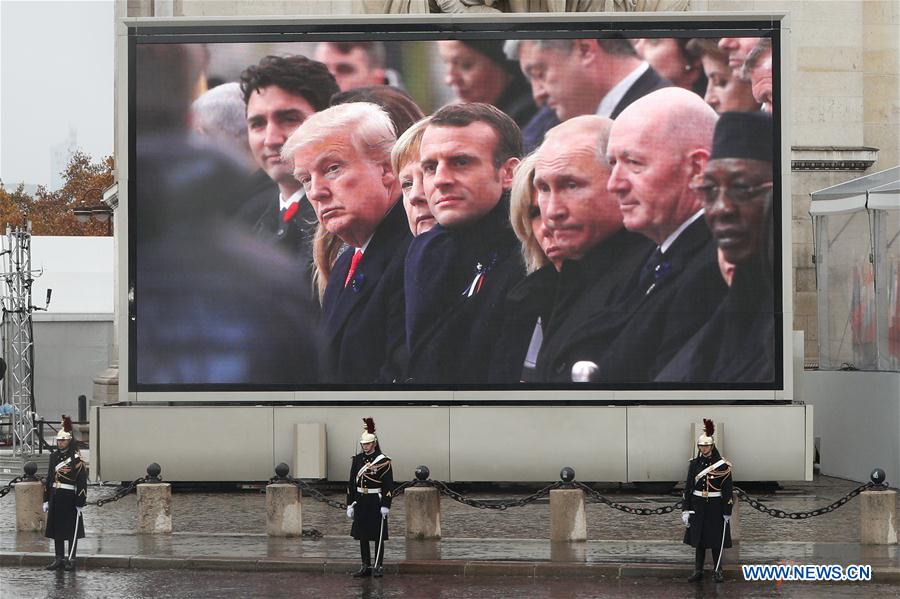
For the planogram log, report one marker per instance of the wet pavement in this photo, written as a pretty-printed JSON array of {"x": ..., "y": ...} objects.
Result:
[
  {"x": 27, "y": 583},
  {"x": 231, "y": 525}
]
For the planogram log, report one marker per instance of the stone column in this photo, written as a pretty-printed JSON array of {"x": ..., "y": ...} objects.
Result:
[
  {"x": 284, "y": 514},
  {"x": 878, "y": 518},
  {"x": 423, "y": 513},
  {"x": 567, "y": 521},
  {"x": 154, "y": 508},
  {"x": 29, "y": 506}
]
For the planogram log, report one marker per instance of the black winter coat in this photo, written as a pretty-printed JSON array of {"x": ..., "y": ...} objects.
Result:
[
  {"x": 367, "y": 473},
  {"x": 66, "y": 470},
  {"x": 707, "y": 522}
]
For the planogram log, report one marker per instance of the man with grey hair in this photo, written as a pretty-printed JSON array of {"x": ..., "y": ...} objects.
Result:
[
  {"x": 757, "y": 70},
  {"x": 584, "y": 76},
  {"x": 657, "y": 148},
  {"x": 341, "y": 157},
  {"x": 219, "y": 115}
]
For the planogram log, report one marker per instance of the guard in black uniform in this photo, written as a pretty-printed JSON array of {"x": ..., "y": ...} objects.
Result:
[
  {"x": 707, "y": 504},
  {"x": 369, "y": 500},
  {"x": 65, "y": 494}
]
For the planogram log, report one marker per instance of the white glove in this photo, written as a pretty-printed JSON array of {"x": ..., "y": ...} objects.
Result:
[
  {"x": 78, "y": 509},
  {"x": 350, "y": 512},
  {"x": 46, "y": 506},
  {"x": 686, "y": 518},
  {"x": 385, "y": 512},
  {"x": 727, "y": 519}
]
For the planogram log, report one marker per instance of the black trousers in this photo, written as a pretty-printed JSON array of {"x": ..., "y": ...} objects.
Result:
[
  {"x": 365, "y": 553},
  {"x": 700, "y": 557},
  {"x": 59, "y": 547}
]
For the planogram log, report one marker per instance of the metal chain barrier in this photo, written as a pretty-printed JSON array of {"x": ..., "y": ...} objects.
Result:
[
  {"x": 637, "y": 511},
  {"x": 776, "y": 513},
  {"x": 309, "y": 490},
  {"x": 118, "y": 493},
  {"x": 490, "y": 505},
  {"x": 9, "y": 486}
]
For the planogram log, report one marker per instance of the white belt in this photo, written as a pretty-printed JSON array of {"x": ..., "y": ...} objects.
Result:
[
  {"x": 64, "y": 486},
  {"x": 368, "y": 491},
  {"x": 708, "y": 494}
]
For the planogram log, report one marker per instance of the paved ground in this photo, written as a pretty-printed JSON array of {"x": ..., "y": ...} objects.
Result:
[
  {"x": 27, "y": 583},
  {"x": 226, "y": 530}
]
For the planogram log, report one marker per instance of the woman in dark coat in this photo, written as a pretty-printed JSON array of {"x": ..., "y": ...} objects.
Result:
[
  {"x": 369, "y": 500},
  {"x": 65, "y": 494},
  {"x": 708, "y": 502}
]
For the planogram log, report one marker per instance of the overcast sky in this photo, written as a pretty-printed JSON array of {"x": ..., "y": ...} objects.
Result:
[{"x": 56, "y": 72}]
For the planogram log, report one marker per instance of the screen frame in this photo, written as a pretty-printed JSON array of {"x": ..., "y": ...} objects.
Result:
[{"x": 422, "y": 27}]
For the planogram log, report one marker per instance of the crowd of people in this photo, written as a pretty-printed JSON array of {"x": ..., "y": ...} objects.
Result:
[{"x": 584, "y": 210}]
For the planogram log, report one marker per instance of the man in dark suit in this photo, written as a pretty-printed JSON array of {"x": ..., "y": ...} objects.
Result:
[
  {"x": 458, "y": 273},
  {"x": 341, "y": 157},
  {"x": 280, "y": 93},
  {"x": 657, "y": 147},
  {"x": 585, "y": 76},
  {"x": 585, "y": 222}
]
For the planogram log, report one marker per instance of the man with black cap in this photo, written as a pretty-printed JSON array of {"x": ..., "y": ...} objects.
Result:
[
  {"x": 65, "y": 494},
  {"x": 737, "y": 344},
  {"x": 369, "y": 500},
  {"x": 479, "y": 71},
  {"x": 708, "y": 502}
]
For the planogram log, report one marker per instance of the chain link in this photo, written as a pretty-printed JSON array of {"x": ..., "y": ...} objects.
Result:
[
  {"x": 118, "y": 493},
  {"x": 491, "y": 505},
  {"x": 637, "y": 511},
  {"x": 309, "y": 490},
  {"x": 776, "y": 513},
  {"x": 10, "y": 484}
]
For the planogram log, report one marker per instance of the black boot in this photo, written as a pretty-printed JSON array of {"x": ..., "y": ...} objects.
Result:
[
  {"x": 56, "y": 564},
  {"x": 697, "y": 576},
  {"x": 69, "y": 566},
  {"x": 719, "y": 575},
  {"x": 378, "y": 572},
  {"x": 365, "y": 570}
]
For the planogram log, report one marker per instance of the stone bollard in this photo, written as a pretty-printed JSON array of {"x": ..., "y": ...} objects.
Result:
[
  {"x": 29, "y": 502},
  {"x": 878, "y": 517},
  {"x": 284, "y": 512},
  {"x": 423, "y": 509},
  {"x": 735, "y": 524},
  {"x": 154, "y": 499},
  {"x": 567, "y": 521}
]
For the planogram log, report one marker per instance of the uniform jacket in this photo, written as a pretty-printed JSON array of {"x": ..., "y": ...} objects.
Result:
[
  {"x": 362, "y": 323},
  {"x": 370, "y": 487},
  {"x": 634, "y": 338},
  {"x": 585, "y": 287},
  {"x": 707, "y": 523},
  {"x": 66, "y": 468},
  {"x": 456, "y": 282}
]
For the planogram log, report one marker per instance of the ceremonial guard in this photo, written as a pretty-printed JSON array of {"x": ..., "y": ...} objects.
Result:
[
  {"x": 707, "y": 504},
  {"x": 369, "y": 500},
  {"x": 65, "y": 494}
]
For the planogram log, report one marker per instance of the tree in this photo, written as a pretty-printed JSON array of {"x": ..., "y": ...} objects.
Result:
[{"x": 51, "y": 212}]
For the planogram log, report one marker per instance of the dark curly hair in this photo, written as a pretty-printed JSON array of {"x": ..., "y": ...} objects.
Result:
[{"x": 297, "y": 75}]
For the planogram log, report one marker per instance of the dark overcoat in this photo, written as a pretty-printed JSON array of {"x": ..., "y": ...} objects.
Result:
[
  {"x": 584, "y": 288},
  {"x": 456, "y": 282},
  {"x": 648, "y": 82},
  {"x": 369, "y": 472},
  {"x": 362, "y": 323},
  {"x": 65, "y": 488},
  {"x": 707, "y": 522}
]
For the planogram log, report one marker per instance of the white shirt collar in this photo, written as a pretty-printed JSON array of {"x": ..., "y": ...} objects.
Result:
[
  {"x": 366, "y": 244},
  {"x": 284, "y": 204},
  {"x": 615, "y": 95},
  {"x": 671, "y": 238}
]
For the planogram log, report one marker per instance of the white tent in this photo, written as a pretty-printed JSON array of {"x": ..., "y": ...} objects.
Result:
[{"x": 857, "y": 241}]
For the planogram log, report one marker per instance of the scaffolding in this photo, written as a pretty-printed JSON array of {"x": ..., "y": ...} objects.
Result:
[{"x": 18, "y": 337}]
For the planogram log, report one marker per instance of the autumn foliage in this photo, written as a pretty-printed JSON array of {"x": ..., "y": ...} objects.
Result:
[{"x": 51, "y": 212}]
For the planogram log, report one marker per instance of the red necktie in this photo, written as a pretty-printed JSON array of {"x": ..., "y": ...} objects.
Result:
[
  {"x": 290, "y": 211},
  {"x": 357, "y": 256}
]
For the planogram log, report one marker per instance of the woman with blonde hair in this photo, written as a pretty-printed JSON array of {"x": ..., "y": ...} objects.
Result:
[
  {"x": 527, "y": 304},
  {"x": 405, "y": 162}
]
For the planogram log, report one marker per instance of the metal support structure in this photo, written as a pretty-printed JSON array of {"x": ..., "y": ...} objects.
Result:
[{"x": 18, "y": 336}]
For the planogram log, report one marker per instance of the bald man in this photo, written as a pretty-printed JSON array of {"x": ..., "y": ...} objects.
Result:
[
  {"x": 658, "y": 146},
  {"x": 584, "y": 219}
]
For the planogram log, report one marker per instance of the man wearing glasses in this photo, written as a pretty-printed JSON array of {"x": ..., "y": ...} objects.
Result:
[{"x": 737, "y": 344}]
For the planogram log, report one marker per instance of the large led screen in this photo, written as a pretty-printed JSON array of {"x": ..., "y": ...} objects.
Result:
[{"x": 413, "y": 206}]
